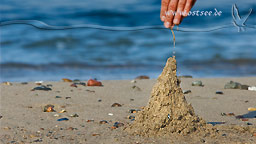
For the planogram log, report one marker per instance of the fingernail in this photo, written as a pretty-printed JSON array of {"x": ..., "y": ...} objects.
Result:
[
  {"x": 167, "y": 24},
  {"x": 163, "y": 18},
  {"x": 176, "y": 21}
]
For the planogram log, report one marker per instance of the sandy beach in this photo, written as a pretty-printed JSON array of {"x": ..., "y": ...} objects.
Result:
[{"x": 23, "y": 119}]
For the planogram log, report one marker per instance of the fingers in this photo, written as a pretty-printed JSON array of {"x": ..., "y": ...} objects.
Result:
[
  {"x": 170, "y": 14},
  {"x": 188, "y": 6},
  {"x": 178, "y": 14},
  {"x": 164, "y": 8}
]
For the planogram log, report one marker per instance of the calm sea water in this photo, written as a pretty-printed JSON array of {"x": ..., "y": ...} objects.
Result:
[{"x": 29, "y": 54}]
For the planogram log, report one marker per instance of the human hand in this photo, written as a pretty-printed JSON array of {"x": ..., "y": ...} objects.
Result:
[{"x": 173, "y": 11}]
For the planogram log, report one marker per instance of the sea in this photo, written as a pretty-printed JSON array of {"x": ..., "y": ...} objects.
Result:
[{"x": 31, "y": 54}]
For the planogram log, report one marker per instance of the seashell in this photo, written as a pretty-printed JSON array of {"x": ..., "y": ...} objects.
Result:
[
  {"x": 116, "y": 105},
  {"x": 142, "y": 77},
  {"x": 92, "y": 82},
  {"x": 103, "y": 122},
  {"x": 49, "y": 108},
  {"x": 251, "y": 109},
  {"x": 66, "y": 80}
]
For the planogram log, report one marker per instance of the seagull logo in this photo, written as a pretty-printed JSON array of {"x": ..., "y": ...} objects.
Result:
[{"x": 237, "y": 20}]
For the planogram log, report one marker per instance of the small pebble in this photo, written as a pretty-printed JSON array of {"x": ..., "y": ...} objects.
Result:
[
  {"x": 249, "y": 123},
  {"x": 136, "y": 88},
  {"x": 244, "y": 119},
  {"x": 24, "y": 83},
  {"x": 186, "y": 91},
  {"x": 68, "y": 97},
  {"x": 215, "y": 123},
  {"x": 185, "y": 76},
  {"x": 116, "y": 105},
  {"x": 57, "y": 96},
  {"x": 118, "y": 124},
  {"x": 131, "y": 117},
  {"x": 110, "y": 114},
  {"x": 133, "y": 81},
  {"x": 219, "y": 92},
  {"x": 76, "y": 80},
  {"x": 197, "y": 83},
  {"x": 73, "y": 85},
  {"x": 141, "y": 77},
  {"x": 1, "y": 117},
  {"x": 80, "y": 83},
  {"x": 63, "y": 119},
  {"x": 92, "y": 91},
  {"x": 74, "y": 115},
  {"x": 66, "y": 80},
  {"x": 99, "y": 100},
  {"x": 90, "y": 121},
  {"x": 56, "y": 115},
  {"x": 131, "y": 99},
  {"x": 103, "y": 122},
  {"x": 95, "y": 134},
  {"x": 223, "y": 114}
]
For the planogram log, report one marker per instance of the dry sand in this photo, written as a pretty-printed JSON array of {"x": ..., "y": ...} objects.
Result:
[{"x": 23, "y": 119}]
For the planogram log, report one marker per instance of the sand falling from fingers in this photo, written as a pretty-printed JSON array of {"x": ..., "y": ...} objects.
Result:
[{"x": 167, "y": 111}]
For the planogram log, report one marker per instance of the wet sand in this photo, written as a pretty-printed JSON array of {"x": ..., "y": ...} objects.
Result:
[{"x": 23, "y": 119}]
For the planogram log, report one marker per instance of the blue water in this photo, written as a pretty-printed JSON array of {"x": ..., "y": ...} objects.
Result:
[{"x": 29, "y": 54}]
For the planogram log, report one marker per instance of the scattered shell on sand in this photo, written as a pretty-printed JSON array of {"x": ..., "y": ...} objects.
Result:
[
  {"x": 142, "y": 77},
  {"x": 49, "y": 108},
  {"x": 251, "y": 109},
  {"x": 7, "y": 83},
  {"x": 133, "y": 110},
  {"x": 103, "y": 122},
  {"x": 110, "y": 114},
  {"x": 66, "y": 80},
  {"x": 116, "y": 105},
  {"x": 62, "y": 111}
]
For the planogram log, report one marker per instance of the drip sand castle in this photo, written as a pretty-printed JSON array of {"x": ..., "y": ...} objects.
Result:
[{"x": 168, "y": 111}]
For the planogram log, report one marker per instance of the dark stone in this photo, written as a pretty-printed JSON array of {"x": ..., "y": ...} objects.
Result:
[
  {"x": 42, "y": 87},
  {"x": 118, "y": 124},
  {"x": 219, "y": 92},
  {"x": 187, "y": 91},
  {"x": 63, "y": 119},
  {"x": 58, "y": 97},
  {"x": 185, "y": 76}
]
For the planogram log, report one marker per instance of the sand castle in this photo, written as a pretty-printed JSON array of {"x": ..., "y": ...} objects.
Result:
[{"x": 168, "y": 111}]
